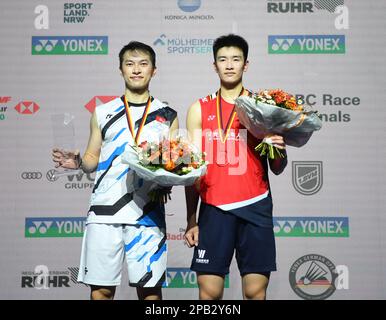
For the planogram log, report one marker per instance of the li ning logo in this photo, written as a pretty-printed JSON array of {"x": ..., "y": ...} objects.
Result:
[{"x": 307, "y": 176}]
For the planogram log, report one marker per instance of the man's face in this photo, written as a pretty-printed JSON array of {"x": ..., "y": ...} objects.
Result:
[
  {"x": 137, "y": 70},
  {"x": 230, "y": 65}
]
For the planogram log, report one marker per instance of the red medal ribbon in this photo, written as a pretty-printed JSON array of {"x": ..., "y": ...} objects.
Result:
[
  {"x": 130, "y": 121},
  {"x": 224, "y": 135}
]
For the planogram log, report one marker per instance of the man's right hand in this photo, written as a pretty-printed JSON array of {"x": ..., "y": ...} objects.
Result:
[
  {"x": 66, "y": 159},
  {"x": 191, "y": 235}
]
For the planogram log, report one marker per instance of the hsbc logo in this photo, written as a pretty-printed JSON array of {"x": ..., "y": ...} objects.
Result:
[
  {"x": 98, "y": 100},
  {"x": 27, "y": 107}
]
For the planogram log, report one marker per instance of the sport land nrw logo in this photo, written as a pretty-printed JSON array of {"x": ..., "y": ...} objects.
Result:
[{"x": 306, "y": 44}]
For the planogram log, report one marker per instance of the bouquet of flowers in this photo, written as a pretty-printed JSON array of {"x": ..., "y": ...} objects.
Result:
[
  {"x": 276, "y": 112},
  {"x": 167, "y": 163}
]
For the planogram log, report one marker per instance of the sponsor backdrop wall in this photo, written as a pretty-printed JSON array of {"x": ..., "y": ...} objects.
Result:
[{"x": 61, "y": 58}]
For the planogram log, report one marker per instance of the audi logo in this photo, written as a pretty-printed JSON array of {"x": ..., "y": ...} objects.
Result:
[{"x": 31, "y": 175}]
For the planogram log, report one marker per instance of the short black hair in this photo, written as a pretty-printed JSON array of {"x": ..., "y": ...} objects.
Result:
[
  {"x": 230, "y": 40},
  {"x": 136, "y": 45}
]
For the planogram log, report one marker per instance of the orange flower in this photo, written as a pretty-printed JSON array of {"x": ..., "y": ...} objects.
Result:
[
  {"x": 279, "y": 96},
  {"x": 172, "y": 155},
  {"x": 170, "y": 165},
  {"x": 291, "y": 104}
]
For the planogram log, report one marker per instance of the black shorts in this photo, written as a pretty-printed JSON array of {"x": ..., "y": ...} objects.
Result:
[{"x": 221, "y": 233}]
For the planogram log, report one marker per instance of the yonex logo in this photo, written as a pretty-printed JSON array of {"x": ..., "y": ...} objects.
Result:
[
  {"x": 201, "y": 253},
  {"x": 39, "y": 227},
  {"x": 181, "y": 278},
  {"x": 211, "y": 117},
  {"x": 283, "y": 226},
  {"x": 311, "y": 226},
  {"x": 45, "y": 45},
  {"x": 306, "y": 44},
  {"x": 54, "y": 227},
  {"x": 185, "y": 278},
  {"x": 282, "y": 44},
  {"x": 67, "y": 45}
]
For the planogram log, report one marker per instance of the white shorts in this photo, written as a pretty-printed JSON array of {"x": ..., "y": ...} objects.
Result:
[{"x": 105, "y": 247}]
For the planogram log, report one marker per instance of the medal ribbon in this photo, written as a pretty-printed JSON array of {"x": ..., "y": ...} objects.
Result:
[
  {"x": 130, "y": 121},
  {"x": 224, "y": 136}
]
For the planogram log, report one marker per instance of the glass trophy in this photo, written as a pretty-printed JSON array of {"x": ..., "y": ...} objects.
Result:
[{"x": 64, "y": 139}]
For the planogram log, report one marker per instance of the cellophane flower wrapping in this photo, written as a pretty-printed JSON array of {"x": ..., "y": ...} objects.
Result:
[
  {"x": 167, "y": 163},
  {"x": 262, "y": 119}
]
